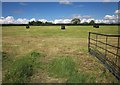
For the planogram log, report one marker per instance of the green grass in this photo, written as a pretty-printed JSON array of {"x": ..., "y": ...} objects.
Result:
[
  {"x": 7, "y": 59},
  {"x": 64, "y": 66},
  {"x": 64, "y": 52},
  {"x": 81, "y": 78},
  {"x": 55, "y": 31},
  {"x": 21, "y": 68}
]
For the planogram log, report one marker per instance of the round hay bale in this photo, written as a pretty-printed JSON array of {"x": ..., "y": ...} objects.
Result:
[
  {"x": 27, "y": 27},
  {"x": 62, "y": 27},
  {"x": 96, "y": 26}
]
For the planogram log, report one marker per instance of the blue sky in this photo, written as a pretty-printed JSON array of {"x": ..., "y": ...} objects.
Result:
[
  {"x": 54, "y": 10},
  {"x": 51, "y": 11}
]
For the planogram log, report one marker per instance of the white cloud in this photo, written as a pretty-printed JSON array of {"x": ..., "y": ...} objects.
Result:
[
  {"x": 33, "y": 19},
  {"x": 83, "y": 20},
  {"x": 42, "y": 20},
  {"x": 11, "y": 20},
  {"x": 22, "y": 21},
  {"x": 86, "y": 20},
  {"x": 99, "y": 21},
  {"x": 1, "y": 22},
  {"x": 7, "y": 20},
  {"x": 81, "y": 17},
  {"x": 66, "y": 21},
  {"x": 66, "y": 2},
  {"x": 96, "y": 20},
  {"x": 110, "y": 17},
  {"x": 117, "y": 12}
]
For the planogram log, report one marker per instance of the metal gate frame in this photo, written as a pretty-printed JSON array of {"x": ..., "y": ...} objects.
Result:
[{"x": 110, "y": 65}]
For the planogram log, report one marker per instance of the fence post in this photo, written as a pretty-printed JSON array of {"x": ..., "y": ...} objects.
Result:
[
  {"x": 89, "y": 42},
  {"x": 106, "y": 46}
]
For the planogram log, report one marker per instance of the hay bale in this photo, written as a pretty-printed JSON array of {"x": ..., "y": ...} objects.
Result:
[
  {"x": 62, "y": 27},
  {"x": 27, "y": 27},
  {"x": 96, "y": 26}
]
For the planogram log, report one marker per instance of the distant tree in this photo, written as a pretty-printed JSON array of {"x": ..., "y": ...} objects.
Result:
[
  {"x": 36, "y": 23},
  {"x": 48, "y": 23},
  {"x": 92, "y": 22},
  {"x": 102, "y": 23},
  {"x": 39, "y": 23},
  {"x": 32, "y": 23},
  {"x": 75, "y": 21}
]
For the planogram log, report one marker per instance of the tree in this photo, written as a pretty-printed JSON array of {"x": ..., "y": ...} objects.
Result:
[
  {"x": 36, "y": 23},
  {"x": 48, "y": 23},
  {"x": 92, "y": 22},
  {"x": 75, "y": 21},
  {"x": 32, "y": 23}
]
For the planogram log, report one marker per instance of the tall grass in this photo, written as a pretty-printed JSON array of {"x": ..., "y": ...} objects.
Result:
[
  {"x": 22, "y": 68},
  {"x": 19, "y": 71},
  {"x": 62, "y": 67},
  {"x": 7, "y": 59},
  {"x": 65, "y": 67},
  {"x": 81, "y": 78}
]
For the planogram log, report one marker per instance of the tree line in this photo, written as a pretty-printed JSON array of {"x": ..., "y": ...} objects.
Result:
[
  {"x": 38, "y": 23},
  {"x": 75, "y": 21}
]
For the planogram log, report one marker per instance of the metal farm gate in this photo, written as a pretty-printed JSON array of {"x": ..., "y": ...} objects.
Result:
[{"x": 106, "y": 48}]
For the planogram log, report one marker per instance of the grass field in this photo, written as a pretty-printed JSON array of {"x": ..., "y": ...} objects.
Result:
[{"x": 47, "y": 54}]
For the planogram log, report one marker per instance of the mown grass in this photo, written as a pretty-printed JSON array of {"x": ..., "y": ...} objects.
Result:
[
  {"x": 55, "y": 31},
  {"x": 66, "y": 54}
]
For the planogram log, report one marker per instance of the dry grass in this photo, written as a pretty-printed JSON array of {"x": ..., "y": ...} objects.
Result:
[{"x": 66, "y": 43}]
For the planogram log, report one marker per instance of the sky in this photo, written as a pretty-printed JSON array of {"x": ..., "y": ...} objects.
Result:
[
  {"x": 59, "y": 12},
  {"x": 60, "y": 0}
]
